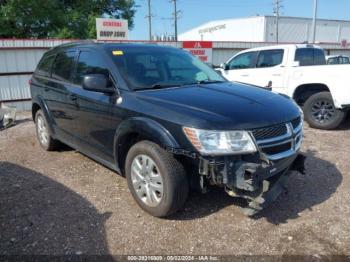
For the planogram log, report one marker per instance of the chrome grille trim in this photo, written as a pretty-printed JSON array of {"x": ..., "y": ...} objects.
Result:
[
  {"x": 291, "y": 137},
  {"x": 269, "y": 132}
]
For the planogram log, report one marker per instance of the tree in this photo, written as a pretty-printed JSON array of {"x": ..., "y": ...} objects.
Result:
[{"x": 59, "y": 18}]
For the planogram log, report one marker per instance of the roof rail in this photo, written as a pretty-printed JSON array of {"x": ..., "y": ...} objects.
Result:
[{"x": 74, "y": 42}]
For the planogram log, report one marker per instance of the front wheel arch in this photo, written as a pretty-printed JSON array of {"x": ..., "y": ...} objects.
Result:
[{"x": 137, "y": 129}]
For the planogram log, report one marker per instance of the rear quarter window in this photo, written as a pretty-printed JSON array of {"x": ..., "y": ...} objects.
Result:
[{"x": 45, "y": 65}]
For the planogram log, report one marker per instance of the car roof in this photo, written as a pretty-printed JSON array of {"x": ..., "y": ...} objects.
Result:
[
  {"x": 284, "y": 46},
  {"x": 101, "y": 45}
]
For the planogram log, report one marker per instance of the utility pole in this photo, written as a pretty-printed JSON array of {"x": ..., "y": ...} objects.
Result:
[
  {"x": 149, "y": 16},
  {"x": 277, "y": 10},
  {"x": 314, "y": 22},
  {"x": 175, "y": 18}
]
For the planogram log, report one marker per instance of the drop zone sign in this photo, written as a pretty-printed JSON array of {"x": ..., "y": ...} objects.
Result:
[
  {"x": 202, "y": 49},
  {"x": 111, "y": 29}
]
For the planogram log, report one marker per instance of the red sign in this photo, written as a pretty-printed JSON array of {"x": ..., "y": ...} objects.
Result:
[
  {"x": 197, "y": 44},
  {"x": 202, "y": 49}
]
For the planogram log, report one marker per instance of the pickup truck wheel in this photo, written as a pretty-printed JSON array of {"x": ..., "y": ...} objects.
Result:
[
  {"x": 321, "y": 113},
  {"x": 156, "y": 180},
  {"x": 43, "y": 134}
]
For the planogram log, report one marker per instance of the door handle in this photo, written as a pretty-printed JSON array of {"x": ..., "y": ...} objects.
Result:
[
  {"x": 276, "y": 75},
  {"x": 244, "y": 75},
  {"x": 46, "y": 89}
]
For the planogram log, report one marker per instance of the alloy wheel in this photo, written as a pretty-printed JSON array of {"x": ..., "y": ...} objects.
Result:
[
  {"x": 42, "y": 130},
  {"x": 323, "y": 111},
  {"x": 147, "y": 180}
]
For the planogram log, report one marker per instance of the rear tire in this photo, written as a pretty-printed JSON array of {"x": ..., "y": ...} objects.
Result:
[
  {"x": 156, "y": 180},
  {"x": 320, "y": 112},
  {"x": 43, "y": 133}
]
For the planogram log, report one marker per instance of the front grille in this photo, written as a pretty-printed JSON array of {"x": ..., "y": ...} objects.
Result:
[
  {"x": 281, "y": 140},
  {"x": 269, "y": 132},
  {"x": 296, "y": 122},
  {"x": 272, "y": 150}
]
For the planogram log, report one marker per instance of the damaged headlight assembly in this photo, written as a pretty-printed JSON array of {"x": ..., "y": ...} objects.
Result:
[{"x": 212, "y": 142}]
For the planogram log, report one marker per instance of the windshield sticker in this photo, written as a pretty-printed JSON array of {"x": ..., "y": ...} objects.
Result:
[{"x": 117, "y": 52}]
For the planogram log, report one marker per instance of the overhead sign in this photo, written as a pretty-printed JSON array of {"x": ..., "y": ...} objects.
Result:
[
  {"x": 202, "y": 49},
  {"x": 112, "y": 29}
]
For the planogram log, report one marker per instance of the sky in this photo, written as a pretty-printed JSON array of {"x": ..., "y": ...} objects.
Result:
[{"x": 197, "y": 12}]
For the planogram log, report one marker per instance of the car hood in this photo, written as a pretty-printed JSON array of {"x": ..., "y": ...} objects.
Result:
[{"x": 221, "y": 106}]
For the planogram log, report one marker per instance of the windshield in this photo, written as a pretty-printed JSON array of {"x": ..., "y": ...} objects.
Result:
[{"x": 149, "y": 68}]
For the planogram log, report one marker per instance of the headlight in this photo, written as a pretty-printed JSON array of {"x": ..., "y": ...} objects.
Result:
[{"x": 210, "y": 142}]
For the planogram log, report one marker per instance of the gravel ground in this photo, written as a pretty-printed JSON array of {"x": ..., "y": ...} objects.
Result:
[{"x": 65, "y": 203}]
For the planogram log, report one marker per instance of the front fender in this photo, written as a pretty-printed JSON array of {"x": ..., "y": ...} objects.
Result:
[{"x": 146, "y": 127}]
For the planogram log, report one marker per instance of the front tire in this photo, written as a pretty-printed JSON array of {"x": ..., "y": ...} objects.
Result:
[
  {"x": 320, "y": 112},
  {"x": 43, "y": 133},
  {"x": 156, "y": 180}
]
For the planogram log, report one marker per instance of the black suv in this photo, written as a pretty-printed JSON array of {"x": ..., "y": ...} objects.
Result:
[{"x": 166, "y": 121}]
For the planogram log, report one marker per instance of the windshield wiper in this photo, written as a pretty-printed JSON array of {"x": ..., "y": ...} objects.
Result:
[
  {"x": 155, "y": 86},
  {"x": 209, "y": 82},
  {"x": 159, "y": 86}
]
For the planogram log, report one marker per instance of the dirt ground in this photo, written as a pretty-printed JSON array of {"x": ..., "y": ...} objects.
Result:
[{"x": 65, "y": 203}]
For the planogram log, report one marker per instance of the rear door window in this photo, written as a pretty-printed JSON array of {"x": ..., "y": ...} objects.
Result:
[
  {"x": 270, "y": 58},
  {"x": 89, "y": 63},
  {"x": 44, "y": 67},
  {"x": 63, "y": 66},
  {"x": 310, "y": 56}
]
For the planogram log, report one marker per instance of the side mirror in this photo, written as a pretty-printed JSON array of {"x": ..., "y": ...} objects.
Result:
[
  {"x": 295, "y": 63},
  {"x": 97, "y": 83},
  {"x": 224, "y": 66}
]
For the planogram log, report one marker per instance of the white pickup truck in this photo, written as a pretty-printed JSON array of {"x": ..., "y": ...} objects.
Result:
[{"x": 299, "y": 71}]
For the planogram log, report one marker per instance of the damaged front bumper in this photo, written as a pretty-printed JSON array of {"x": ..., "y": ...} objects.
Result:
[{"x": 258, "y": 180}]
